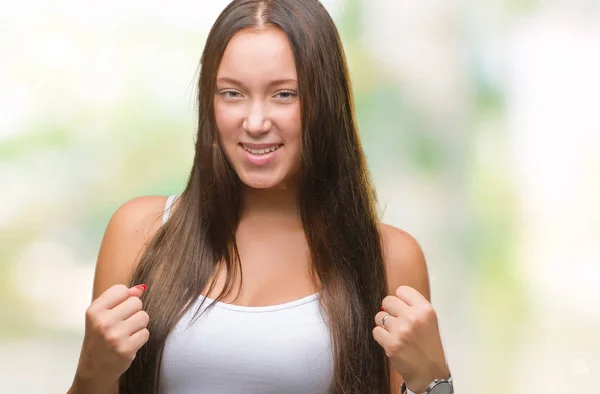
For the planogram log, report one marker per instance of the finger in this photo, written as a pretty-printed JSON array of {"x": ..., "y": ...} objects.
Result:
[
  {"x": 127, "y": 308},
  {"x": 388, "y": 321},
  {"x": 395, "y": 306},
  {"x": 410, "y": 295},
  {"x": 112, "y": 297},
  {"x": 136, "y": 291},
  {"x": 137, "y": 322},
  {"x": 137, "y": 340},
  {"x": 382, "y": 337}
]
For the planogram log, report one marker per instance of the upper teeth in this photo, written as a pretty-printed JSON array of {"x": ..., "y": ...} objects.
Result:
[{"x": 261, "y": 151}]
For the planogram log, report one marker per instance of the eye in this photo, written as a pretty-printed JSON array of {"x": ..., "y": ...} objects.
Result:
[
  {"x": 286, "y": 95},
  {"x": 230, "y": 94}
]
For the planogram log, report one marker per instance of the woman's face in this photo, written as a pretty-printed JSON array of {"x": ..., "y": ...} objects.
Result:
[{"x": 257, "y": 109}]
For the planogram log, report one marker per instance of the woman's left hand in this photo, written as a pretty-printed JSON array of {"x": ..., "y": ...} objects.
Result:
[{"x": 411, "y": 338}]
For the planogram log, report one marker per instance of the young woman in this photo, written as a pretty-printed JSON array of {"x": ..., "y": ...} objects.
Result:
[{"x": 271, "y": 272}]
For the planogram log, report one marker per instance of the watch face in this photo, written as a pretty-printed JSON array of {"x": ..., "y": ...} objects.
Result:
[{"x": 442, "y": 388}]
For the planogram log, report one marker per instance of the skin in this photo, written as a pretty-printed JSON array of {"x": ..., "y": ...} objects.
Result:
[{"x": 256, "y": 102}]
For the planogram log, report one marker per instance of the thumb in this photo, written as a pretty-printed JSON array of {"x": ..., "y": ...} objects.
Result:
[{"x": 137, "y": 291}]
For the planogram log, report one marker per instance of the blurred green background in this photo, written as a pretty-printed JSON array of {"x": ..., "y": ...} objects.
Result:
[{"x": 479, "y": 119}]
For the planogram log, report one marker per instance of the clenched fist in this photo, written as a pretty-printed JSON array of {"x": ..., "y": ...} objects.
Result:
[
  {"x": 407, "y": 329},
  {"x": 115, "y": 329}
]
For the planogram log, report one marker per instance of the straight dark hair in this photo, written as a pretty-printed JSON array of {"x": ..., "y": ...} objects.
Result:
[{"x": 337, "y": 205}]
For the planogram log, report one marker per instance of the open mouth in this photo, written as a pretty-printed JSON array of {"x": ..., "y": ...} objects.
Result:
[
  {"x": 262, "y": 151},
  {"x": 261, "y": 155}
]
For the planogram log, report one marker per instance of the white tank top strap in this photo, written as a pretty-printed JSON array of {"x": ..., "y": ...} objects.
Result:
[{"x": 168, "y": 206}]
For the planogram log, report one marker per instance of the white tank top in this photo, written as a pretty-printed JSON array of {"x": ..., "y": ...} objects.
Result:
[{"x": 232, "y": 349}]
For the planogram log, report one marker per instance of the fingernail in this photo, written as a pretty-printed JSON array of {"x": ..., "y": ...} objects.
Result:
[
  {"x": 142, "y": 287},
  {"x": 382, "y": 308}
]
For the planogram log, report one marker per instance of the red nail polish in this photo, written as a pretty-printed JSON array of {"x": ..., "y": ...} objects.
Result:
[
  {"x": 142, "y": 287},
  {"x": 382, "y": 309}
]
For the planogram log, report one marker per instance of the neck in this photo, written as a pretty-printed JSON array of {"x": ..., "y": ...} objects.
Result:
[{"x": 279, "y": 203}]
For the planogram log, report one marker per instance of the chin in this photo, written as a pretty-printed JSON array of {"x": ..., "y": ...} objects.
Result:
[{"x": 262, "y": 182}]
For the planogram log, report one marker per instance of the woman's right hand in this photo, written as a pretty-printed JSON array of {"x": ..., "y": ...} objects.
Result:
[{"x": 115, "y": 329}]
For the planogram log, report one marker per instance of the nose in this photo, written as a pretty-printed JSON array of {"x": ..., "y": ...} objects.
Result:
[{"x": 257, "y": 122}]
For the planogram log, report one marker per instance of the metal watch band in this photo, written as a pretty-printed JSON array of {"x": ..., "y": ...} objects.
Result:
[{"x": 428, "y": 390}]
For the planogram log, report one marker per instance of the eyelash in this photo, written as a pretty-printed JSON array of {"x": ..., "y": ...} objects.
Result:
[
  {"x": 226, "y": 93},
  {"x": 289, "y": 92}
]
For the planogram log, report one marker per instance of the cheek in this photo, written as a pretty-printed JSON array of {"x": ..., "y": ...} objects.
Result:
[
  {"x": 227, "y": 124},
  {"x": 292, "y": 124},
  {"x": 297, "y": 135}
]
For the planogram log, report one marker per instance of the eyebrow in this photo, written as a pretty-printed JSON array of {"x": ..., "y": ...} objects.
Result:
[{"x": 272, "y": 83}]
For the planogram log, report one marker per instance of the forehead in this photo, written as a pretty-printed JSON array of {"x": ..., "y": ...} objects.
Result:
[{"x": 257, "y": 55}]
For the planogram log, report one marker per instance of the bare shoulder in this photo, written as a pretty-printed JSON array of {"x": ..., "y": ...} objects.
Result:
[
  {"x": 128, "y": 232},
  {"x": 404, "y": 259}
]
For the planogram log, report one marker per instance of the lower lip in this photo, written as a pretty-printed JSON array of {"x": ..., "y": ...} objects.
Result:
[{"x": 261, "y": 160}]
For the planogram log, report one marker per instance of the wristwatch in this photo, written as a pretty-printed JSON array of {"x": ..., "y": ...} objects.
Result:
[{"x": 438, "y": 386}]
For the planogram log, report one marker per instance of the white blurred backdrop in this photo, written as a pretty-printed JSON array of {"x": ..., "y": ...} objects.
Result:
[{"x": 480, "y": 121}]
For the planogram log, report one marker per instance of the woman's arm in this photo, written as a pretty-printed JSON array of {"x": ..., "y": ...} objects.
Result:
[
  {"x": 406, "y": 266},
  {"x": 127, "y": 234}
]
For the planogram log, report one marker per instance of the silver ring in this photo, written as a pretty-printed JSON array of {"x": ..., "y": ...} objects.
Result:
[{"x": 383, "y": 319}]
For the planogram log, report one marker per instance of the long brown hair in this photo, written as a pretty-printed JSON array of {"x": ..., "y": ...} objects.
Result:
[{"x": 337, "y": 205}]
